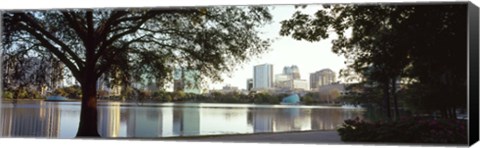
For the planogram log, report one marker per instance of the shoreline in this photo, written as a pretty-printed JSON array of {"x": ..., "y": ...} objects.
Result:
[
  {"x": 310, "y": 136},
  {"x": 146, "y": 104}
]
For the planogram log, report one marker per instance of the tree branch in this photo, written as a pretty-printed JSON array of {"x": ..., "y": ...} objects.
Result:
[
  {"x": 45, "y": 43},
  {"x": 30, "y": 21},
  {"x": 72, "y": 22}
]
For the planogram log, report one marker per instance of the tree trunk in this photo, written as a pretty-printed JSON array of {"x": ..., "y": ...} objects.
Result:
[
  {"x": 394, "y": 95},
  {"x": 386, "y": 99},
  {"x": 88, "y": 115}
]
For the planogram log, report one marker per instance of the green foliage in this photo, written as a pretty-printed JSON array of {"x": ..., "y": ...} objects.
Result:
[
  {"x": 209, "y": 40},
  {"x": 22, "y": 94},
  {"x": 406, "y": 130},
  {"x": 73, "y": 92},
  {"x": 394, "y": 42},
  {"x": 126, "y": 46},
  {"x": 7, "y": 95},
  {"x": 307, "y": 100}
]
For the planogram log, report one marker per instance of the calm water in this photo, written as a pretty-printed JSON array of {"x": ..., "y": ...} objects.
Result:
[{"x": 60, "y": 119}]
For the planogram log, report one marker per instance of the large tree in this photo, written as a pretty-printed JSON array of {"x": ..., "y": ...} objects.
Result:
[
  {"x": 389, "y": 42},
  {"x": 136, "y": 44}
]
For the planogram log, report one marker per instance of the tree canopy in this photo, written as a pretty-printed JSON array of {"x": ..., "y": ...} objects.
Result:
[
  {"x": 136, "y": 42},
  {"x": 136, "y": 45},
  {"x": 422, "y": 44}
]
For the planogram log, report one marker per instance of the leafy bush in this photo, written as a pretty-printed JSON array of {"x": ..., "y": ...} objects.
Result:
[
  {"x": 22, "y": 94},
  {"x": 35, "y": 95},
  {"x": 7, "y": 95},
  {"x": 411, "y": 130}
]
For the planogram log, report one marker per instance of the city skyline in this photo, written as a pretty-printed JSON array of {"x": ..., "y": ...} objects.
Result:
[{"x": 285, "y": 51}]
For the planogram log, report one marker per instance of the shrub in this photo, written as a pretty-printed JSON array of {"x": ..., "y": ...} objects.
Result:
[
  {"x": 7, "y": 95},
  {"x": 411, "y": 130}
]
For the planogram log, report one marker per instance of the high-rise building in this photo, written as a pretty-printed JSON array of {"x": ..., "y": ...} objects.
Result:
[
  {"x": 263, "y": 76},
  {"x": 249, "y": 84},
  {"x": 321, "y": 78},
  {"x": 293, "y": 85},
  {"x": 186, "y": 81},
  {"x": 292, "y": 72}
]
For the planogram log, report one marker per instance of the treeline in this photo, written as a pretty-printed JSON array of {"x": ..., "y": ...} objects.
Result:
[
  {"x": 71, "y": 92},
  {"x": 180, "y": 97}
]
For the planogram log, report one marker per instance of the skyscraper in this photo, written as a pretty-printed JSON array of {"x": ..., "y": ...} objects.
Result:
[
  {"x": 186, "y": 81},
  {"x": 249, "y": 84},
  {"x": 263, "y": 76},
  {"x": 292, "y": 72},
  {"x": 321, "y": 78}
]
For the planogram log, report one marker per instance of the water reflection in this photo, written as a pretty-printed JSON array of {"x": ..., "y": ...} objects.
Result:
[
  {"x": 60, "y": 119},
  {"x": 31, "y": 120}
]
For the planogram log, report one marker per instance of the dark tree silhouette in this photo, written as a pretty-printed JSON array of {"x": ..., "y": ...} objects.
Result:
[
  {"x": 135, "y": 44},
  {"x": 389, "y": 43}
]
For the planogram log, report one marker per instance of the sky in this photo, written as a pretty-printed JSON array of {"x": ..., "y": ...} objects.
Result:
[{"x": 286, "y": 51}]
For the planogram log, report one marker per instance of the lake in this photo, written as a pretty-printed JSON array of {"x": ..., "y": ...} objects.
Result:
[{"x": 150, "y": 120}]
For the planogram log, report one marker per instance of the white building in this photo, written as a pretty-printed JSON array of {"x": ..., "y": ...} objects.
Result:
[
  {"x": 294, "y": 84},
  {"x": 281, "y": 77},
  {"x": 263, "y": 76}
]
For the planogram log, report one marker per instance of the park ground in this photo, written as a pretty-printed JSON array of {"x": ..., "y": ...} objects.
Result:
[{"x": 305, "y": 137}]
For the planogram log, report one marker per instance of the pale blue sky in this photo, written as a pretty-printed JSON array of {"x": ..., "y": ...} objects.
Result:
[{"x": 308, "y": 56}]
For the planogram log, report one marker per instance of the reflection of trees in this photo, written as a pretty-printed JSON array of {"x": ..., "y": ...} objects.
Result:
[
  {"x": 325, "y": 119},
  {"x": 24, "y": 121},
  {"x": 292, "y": 119},
  {"x": 329, "y": 119},
  {"x": 262, "y": 120}
]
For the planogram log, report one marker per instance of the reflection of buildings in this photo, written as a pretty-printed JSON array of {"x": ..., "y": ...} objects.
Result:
[
  {"x": 262, "y": 120},
  {"x": 283, "y": 119},
  {"x": 109, "y": 120},
  {"x": 224, "y": 120},
  {"x": 329, "y": 119},
  {"x": 30, "y": 121},
  {"x": 144, "y": 122},
  {"x": 191, "y": 121},
  {"x": 186, "y": 121},
  {"x": 321, "y": 78},
  {"x": 292, "y": 119},
  {"x": 263, "y": 76}
]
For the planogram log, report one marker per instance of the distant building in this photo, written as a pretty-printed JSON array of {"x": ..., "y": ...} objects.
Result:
[
  {"x": 110, "y": 90},
  {"x": 28, "y": 72},
  {"x": 263, "y": 76},
  {"x": 292, "y": 72},
  {"x": 290, "y": 79},
  {"x": 229, "y": 89},
  {"x": 321, "y": 78},
  {"x": 186, "y": 81},
  {"x": 281, "y": 77},
  {"x": 293, "y": 85},
  {"x": 249, "y": 84}
]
